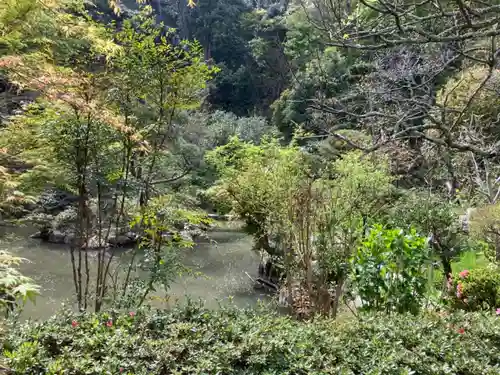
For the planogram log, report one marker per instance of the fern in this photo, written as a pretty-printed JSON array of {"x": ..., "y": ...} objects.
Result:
[{"x": 14, "y": 287}]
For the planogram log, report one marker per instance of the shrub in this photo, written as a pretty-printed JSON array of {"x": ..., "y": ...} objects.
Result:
[
  {"x": 282, "y": 193},
  {"x": 15, "y": 288},
  {"x": 477, "y": 289},
  {"x": 193, "y": 340},
  {"x": 389, "y": 270},
  {"x": 435, "y": 216}
]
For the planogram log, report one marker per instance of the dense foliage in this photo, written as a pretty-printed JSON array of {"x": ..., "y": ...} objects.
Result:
[
  {"x": 286, "y": 194},
  {"x": 104, "y": 125},
  {"x": 390, "y": 270},
  {"x": 358, "y": 141},
  {"x": 195, "y": 341}
]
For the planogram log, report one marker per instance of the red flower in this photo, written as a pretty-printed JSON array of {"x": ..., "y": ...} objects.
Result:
[
  {"x": 109, "y": 323},
  {"x": 74, "y": 323},
  {"x": 461, "y": 331},
  {"x": 132, "y": 314},
  {"x": 464, "y": 274}
]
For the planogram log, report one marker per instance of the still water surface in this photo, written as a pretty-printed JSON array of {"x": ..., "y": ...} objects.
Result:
[{"x": 224, "y": 262}]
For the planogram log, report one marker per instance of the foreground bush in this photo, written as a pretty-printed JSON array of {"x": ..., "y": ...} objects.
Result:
[{"x": 198, "y": 341}]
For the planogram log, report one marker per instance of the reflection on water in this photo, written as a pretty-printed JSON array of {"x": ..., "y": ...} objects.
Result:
[{"x": 223, "y": 261}]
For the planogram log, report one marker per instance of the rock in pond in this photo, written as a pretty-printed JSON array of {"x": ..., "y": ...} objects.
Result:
[
  {"x": 123, "y": 240},
  {"x": 56, "y": 236}
]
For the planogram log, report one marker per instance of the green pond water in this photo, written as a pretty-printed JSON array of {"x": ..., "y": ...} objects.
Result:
[{"x": 226, "y": 261}]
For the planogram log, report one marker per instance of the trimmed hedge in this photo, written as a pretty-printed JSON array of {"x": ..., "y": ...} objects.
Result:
[{"x": 193, "y": 340}]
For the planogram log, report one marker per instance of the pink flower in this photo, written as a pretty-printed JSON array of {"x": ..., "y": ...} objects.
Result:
[
  {"x": 461, "y": 331},
  {"x": 121, "y": 369},
  {"x": 74, "y": 324},
  {"x": 109, "y": 323},
  {"x": 464, "y": 274},
  {"x": 498, "y": 311},
  {"x": 131, "y": 314}
]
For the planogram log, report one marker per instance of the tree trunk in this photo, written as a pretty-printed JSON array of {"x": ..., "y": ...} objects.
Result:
[
  {"x": 497, "y": 248},
  {"x": 447, "y": 270},
  {"x": 338, "y": 295}
]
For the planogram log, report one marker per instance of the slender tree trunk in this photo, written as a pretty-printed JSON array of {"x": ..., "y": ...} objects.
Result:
[
  {"x": 101, "y": 253},
  {"x": 87, "y": 280},
  {"x": 75, "y": 274},
  {"x": 81, "y": 242},
  {"x": 81, "y": 155},
  {"x": 447, "y": 270},
  {"x": 497, "y": 247},
  {"x": 152, "y": 280},
  {"x": 120, "y": 214},
  {"x": 289, "y": 276},
  {"x": 338, "y": 296}
]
